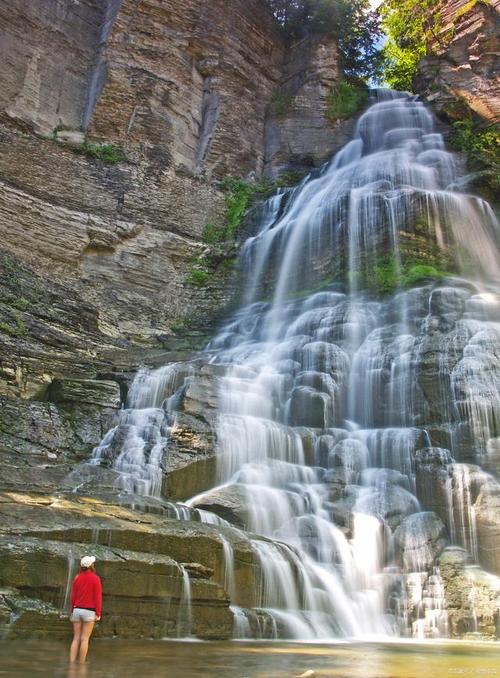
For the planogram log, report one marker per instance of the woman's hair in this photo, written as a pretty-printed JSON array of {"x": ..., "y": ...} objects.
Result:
[{"x": 86, "y": 569}]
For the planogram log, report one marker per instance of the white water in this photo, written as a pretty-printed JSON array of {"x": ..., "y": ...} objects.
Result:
[
  {"x": 328, "y": 394},
  {"x": 137, "y": 445}
]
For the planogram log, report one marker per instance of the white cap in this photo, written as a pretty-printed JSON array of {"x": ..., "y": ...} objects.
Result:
[{"x": 87, "y": 561}]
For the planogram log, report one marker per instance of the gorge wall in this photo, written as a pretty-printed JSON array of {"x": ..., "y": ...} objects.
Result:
[
  {"x": 184, "y": 90},
  {"x": 462, "y": 71}
]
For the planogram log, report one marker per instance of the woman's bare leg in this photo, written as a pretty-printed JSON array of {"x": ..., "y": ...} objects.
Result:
[
  {"x": 87, "y": 629},
  {"x": 75, "y": 645}
]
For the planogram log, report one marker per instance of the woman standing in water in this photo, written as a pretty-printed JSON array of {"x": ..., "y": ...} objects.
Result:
[{"x": 86, "y": 606}]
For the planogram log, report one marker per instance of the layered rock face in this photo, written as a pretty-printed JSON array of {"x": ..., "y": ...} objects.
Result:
[
  {"x": 463, "y": 69},
  {"x": 184, "y": 89},
  {"x": 160, "y": 578},
  {"x": 186, "y": 80},
  {"x": 48, "y": 52},
  {"x": 296, "y": 134}
]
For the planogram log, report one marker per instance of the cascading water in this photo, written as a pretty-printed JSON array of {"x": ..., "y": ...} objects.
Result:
[{"x": 336, "y": 372}]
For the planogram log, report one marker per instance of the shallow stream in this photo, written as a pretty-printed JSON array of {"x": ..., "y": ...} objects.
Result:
[{"x": 151, "y": 659}]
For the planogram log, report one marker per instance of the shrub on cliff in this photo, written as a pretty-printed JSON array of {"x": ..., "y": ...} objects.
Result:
[
  {"x": 352, "y": 23},
  {"x": 409, "y": 25},
  {"x": 346, "y": 99}
]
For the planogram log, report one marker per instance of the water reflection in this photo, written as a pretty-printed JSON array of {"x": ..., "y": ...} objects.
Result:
[{"x": 154, "y": 659}]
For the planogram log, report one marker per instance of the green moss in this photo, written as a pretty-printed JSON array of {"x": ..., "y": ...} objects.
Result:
[
  {"x": 468, "y": 6},
  {"x": 198, "y": 277},
  {"x": 8, "y": 263},
  {"x": 345, "y": 100},
  {"x": 418, "y": 272},
  {"x": 482, "y": 148},
  {"x": 212, "y": 233},
  {"x": 107, "y": 153},
  {"x": 279, "y": 104},
  {"x": 386, "y": 275},
  {"x": 238, "y": 197},
  {"x": 20, "y": 303},
  {"x": 181, "y": 324},
  {"x": 60, "y": 127},
  {"x": 16, "y": 328}
]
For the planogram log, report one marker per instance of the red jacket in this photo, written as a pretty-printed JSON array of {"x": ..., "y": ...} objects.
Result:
[{"x": 86, "y": 592}]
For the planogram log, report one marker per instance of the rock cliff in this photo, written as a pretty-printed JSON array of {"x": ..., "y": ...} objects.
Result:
[{"x": 462, "y": 72}]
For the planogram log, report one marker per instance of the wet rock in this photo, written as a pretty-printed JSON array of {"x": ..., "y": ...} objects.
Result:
[
  {"x": 310, "y": 407},
  {"x": 337, "y": 479},
  {"x": 325, "y": 444},
  {"x": 487, "y": 516},
  {"x": 448, "y": 302},
  {"x": 191, "y": 462},
  {"x": 419, "y": 539},
  {"x": 438, "y": 354},
  {"x": 377, "y": 477},
  {"x": 390, "y": 503},
  {"x": 322, "y": 356},
  {"x": 350, "y": 454},
  {"x": 432, "y": 479},
  {"x": 42, "y": 539},
  {"x": 229, "y": 502},
  {"x": 491, "y": 460},
  {"x": 471, "y": 594},
  {"x": 85, "y": 391},
  {"x": 308, "y": 439}
]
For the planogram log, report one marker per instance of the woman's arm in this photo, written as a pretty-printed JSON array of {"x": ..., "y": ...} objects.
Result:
[
  {"x": 98, "y": 597},
  {"x": 73, "y": 595}
]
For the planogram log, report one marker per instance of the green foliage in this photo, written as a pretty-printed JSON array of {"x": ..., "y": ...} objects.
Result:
[
  {"x": 236, "y": 199},
  {"x": 16, "y": 328},
  {"x": 410, "y": 26},
  {"x": 351, "y": 23},
  {"x": 238, "y": 196},
  {"x": 198, "y": 276},
  {"x": 482, "y": 147},
  {"x": 212, "y": 234},
  {"x": 181, "y": 324},
  {"x": 346, "y": 99},
  {"x": 279, "y": 104},
  {"x": 107, "y": 153},
  {"x": 20, "y": 303},
  {"x": 417, "y": 272},
  {"x": 388, "y": 274}
]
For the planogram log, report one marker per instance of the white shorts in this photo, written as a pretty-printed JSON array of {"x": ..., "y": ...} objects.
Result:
[{"x": 80, "y": 614}]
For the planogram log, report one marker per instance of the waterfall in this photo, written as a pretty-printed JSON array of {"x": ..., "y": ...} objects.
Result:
[
  {"x": 136, "y": 445},
  {"x": 368, "y": 334}
]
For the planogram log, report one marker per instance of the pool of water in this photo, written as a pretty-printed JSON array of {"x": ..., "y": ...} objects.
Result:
[{"x": 151, "y": 659}]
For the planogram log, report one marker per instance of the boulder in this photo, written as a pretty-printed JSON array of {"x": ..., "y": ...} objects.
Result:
[
  {"x": 229, "y": 502},
  {"x": 418, "y": 540},
  {"x": 312, "y": 408},
  {"x": 350, "y": 454},
  {"x": 390, "y": 503},
  {"x": 325, "y": 444}
]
